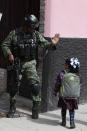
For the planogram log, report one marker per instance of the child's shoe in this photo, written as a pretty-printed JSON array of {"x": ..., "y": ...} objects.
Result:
[
  {"x": 72, "y": 125},
  {"x": 63, "y": 123}
]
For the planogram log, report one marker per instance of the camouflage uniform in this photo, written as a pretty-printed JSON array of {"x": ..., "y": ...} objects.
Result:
[{"x": 28, "y": 67}]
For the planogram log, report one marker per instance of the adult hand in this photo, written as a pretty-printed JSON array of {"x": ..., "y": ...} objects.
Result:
[
  {"x": 11, "y": 58},
  {"x": 55, "y": 39}
]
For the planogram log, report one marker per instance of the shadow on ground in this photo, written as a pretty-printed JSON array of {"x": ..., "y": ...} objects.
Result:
[
  {"x": 24, "y": 107},
  {"x": 21, "y": 103}
]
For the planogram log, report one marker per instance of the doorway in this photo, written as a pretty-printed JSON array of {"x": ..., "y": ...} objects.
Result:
[{"x": 13, "y": 12}]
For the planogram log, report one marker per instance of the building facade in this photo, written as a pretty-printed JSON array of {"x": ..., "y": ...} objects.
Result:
[{"x": 67, "y": 17}]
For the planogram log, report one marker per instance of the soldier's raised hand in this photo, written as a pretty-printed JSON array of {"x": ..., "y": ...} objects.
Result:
[{"x": 55, "y": 39}]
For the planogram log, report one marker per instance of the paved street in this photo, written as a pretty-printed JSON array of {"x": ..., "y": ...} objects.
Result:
[{"x": 47, "y": 121}]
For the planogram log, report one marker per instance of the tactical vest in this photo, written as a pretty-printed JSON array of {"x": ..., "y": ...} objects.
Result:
[{"x": 27, "y": 47}]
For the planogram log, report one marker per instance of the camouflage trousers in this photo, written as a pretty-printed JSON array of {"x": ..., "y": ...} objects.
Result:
[
  {"x": 29, "y": 71},
  {"x": 28, "y": 74}
]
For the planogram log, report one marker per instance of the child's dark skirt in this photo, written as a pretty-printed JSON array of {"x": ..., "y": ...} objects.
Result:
[{"x": 68, "y": 103}]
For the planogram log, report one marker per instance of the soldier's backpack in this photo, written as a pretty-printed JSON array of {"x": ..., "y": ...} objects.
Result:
[{"x": 70, "y": 85}]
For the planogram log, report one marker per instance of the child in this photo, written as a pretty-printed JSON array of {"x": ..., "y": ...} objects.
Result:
[{"x": 70, "y": 100}]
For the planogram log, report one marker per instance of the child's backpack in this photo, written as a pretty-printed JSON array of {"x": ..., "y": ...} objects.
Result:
[{"x": 70, "y": 85}]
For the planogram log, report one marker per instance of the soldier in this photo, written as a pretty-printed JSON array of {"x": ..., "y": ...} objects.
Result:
[{"x": 22, "y": 43}]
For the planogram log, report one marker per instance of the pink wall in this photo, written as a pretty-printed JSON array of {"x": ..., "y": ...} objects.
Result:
[{"x": 67, "y": 17}]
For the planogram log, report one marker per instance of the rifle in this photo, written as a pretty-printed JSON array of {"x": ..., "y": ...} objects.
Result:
[{"x": 13, "y": 75}]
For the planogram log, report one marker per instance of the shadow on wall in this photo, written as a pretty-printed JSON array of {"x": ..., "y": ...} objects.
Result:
[{"x": 54, "y": 63}]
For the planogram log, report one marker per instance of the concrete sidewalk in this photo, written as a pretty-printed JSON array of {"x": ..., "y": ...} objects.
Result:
[{"x": 47, "y": 121}]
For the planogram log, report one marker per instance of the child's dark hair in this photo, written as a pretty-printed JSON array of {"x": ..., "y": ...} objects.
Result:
[{"x": 73, "y": 67}]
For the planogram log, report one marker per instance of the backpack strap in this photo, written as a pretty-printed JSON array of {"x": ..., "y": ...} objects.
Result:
[{"x": 65, "y": 72}]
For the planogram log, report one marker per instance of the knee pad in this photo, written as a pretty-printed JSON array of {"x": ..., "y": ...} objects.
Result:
[{"x": 35, "y": 89}]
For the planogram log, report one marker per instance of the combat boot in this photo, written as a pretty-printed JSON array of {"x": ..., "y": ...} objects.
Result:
[
  {"x": 35, "y": 110},
  {"x": 12, "y": 109}
]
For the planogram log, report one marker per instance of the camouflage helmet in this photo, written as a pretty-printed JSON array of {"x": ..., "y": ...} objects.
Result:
[{"x": 31, "y": 21}]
